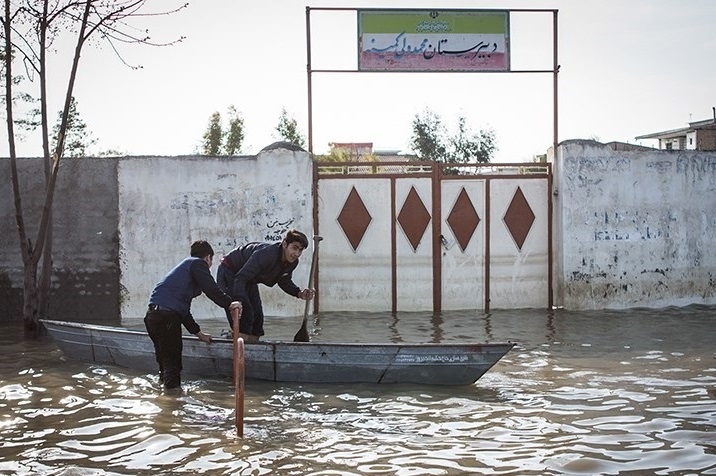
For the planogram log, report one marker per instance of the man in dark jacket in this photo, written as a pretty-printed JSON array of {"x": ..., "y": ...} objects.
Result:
[
  {"x": 170, "y": 304},
  {"x": 245, "y": 267}
]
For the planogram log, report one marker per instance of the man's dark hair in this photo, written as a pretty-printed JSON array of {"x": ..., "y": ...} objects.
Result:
[
  {"x": 201, "y": 249},
  {"x": 294, "y": 235}
]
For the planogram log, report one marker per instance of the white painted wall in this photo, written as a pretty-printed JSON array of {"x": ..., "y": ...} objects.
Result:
[
  {"x": 690, "y": 140},
  {"x": 165, "y": 203},
  {"x": 634, "y": 229},
  {"x": 630, "y": 229}
]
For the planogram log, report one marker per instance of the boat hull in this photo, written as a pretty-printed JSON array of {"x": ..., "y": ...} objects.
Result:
[{"x": 315, "y": 362}]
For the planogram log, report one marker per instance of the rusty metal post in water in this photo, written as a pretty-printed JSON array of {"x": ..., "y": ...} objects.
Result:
[{"x": 238, "y": 374}]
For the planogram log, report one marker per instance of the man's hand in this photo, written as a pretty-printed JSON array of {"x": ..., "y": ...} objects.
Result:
[
  {"x": 307, "y": 294},
  {"x": 235, "y": 310},
  {"x": 203, "y": 337}
]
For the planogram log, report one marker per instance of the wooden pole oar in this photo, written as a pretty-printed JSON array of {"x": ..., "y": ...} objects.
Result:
[
  {"x": 239, "y": 368},
  {"x": 302, "y": 334}
]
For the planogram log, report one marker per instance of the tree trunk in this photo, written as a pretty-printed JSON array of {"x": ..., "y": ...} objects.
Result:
[
  {"x": 43, "y": 298},
  {"x": 30, "y": 300}
]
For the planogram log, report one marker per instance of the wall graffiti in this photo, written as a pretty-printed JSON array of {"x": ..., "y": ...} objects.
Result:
[{"x": 277, "y": 229}]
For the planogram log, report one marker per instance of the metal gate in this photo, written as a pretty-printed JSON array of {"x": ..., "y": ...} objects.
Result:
[{"x": 418, "y": 236}]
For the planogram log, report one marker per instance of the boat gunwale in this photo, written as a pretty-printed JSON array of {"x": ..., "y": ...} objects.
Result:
[{"x": 223, "y": 340}]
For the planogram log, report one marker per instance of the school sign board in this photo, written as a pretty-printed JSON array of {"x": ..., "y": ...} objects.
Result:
[{"x": 433, "y": 40}]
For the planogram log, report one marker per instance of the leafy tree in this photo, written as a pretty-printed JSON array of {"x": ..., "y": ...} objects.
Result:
[
  {"x": 431, "y": 141},
  {"x": 217, "y": 140},
  {"x": 428, "y": 140},
  {"x": 338, "y": 154},
  {"x": 288, "y": 129},
  {"x": 333, "y": 155},
  {"x": 78, "y": 138},
  {"x": 468, "y": 147},
  {"x": 29, "y": 32},
  {"x": 235, "y": 134},
  {"x": 213, "y": 136}
]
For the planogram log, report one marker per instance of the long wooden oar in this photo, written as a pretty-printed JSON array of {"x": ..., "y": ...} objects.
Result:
[
  {"x": 302, "y": 334},
  {"x": 239, "y": 369}
]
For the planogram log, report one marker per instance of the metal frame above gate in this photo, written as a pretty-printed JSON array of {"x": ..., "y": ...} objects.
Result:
[
  {"x": 437, "y": 176},
  {"x": 554, "y": 71}
]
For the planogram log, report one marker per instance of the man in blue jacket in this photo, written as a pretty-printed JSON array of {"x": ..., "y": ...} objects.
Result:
[
  {"x": 170, "y": 304},
  {"x": 245, "y": 267}
]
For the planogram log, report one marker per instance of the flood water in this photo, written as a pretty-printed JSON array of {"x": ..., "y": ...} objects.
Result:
[{"x": 629, "y": 393}]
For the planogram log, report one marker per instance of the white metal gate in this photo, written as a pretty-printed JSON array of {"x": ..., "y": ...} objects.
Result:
[{"x": 418, "y": 236}]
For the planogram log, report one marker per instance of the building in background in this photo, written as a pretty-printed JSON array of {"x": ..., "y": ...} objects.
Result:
[
  {"x": 363, "y": 151},
  {"x": 699, "y": 135}
]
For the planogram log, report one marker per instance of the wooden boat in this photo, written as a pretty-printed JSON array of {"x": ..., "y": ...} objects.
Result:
[{"x": 321, "y": 362}]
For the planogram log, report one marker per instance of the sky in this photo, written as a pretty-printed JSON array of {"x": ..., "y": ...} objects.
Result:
[{"x": 627, "y": 68}]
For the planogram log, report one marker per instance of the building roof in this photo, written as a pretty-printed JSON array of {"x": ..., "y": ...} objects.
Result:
[{"x": 681, "y": 132}]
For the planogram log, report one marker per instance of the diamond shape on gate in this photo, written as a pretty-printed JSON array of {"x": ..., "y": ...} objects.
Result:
[
  {"x": 463, "y": 219},
  {"x": 414, "y": 218},
  {"x": 354, "y": 218},
  {"x": 519, "y": 218}
]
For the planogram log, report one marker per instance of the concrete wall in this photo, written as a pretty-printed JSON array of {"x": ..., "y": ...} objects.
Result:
[
  {"x": 633, "y": 229},
  {"x": 85, "y": 282},
  {"x": 165, "y": 203},
  {"x": 122, "y": 223}
]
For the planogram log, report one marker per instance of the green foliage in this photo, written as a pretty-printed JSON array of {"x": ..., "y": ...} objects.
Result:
[
  {"x": 235, "y": 134},
  {"x": 217, "y": 140},
  {"x": 431, "y": 141},
  {"x": 288, "y": 129},
  {"x": 338, "y": 154},
  {"x": 213, "y": 136},
  {"x": 468, "y": 147},
  {"x": 428, "y": 140},
  {"x": 335, "y": 155},
  {"x": 78, "y": 137}
]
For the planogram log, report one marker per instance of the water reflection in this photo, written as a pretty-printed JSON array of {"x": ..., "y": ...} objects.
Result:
[{"x": 628, "y": 392}]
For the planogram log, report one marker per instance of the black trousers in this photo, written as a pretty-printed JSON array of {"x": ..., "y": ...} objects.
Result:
[
  {"x": 164, "y": 328},
  {"x": 252, "y": 311}
]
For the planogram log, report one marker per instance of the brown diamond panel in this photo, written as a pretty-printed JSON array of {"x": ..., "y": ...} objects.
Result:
[
  {"x": 519, "y": 218},
  {"x": 414, "y": 218},
  {"x": 463, "y": 219},
  {"x": 354, "y": 218}
]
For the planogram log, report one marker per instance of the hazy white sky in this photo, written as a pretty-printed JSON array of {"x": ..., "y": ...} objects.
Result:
[{"x": 627, "y": 68}]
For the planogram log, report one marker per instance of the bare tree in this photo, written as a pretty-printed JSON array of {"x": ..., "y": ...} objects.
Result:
[{"x": 29, "y": 30}]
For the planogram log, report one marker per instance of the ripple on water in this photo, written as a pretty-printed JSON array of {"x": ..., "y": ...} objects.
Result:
[{"x": 631, "y": 402}]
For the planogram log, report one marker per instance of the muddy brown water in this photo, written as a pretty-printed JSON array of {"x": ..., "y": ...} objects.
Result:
[{"x": 609, "y": 392}]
